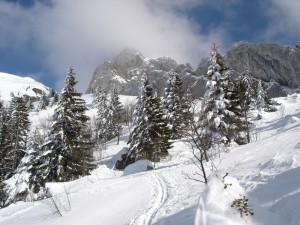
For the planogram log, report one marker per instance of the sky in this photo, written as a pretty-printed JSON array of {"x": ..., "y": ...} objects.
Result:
[{"x": 43, "y": 38}]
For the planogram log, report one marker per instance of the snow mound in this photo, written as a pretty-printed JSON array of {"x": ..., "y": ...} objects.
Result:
[
  {"x": 138, "y": 166},
  {"x": 20, "y": 86},
  {"x": 215, "y": 204},
  {"x": 293, "y": 119}
]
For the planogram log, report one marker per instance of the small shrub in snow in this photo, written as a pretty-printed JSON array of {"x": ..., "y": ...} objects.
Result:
[
  {"x": 226, "y": 184},
  {"x": 241, "y": 205}
]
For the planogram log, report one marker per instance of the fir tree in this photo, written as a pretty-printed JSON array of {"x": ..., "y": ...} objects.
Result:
[
  {"x": 3, "y": 191},
  {"x": 150, "y": 139},
  {"x": 36, "y": 165},
  {"x": 260, "y": 99},
  {"x": 115, "y": 117},
  {"x": 177, "y": 106},
  {"x": 5, "y": 144},
  {"x": 14, "y": 137},
  {"x": 62, "y": 150},
  {"x": 28, "y": 102},
  {"x": 221, "y": 115},
  {"x": 44, "y": 102},
  {"x": 245, "y": 85},
  {"x": 101, "y": 102}
]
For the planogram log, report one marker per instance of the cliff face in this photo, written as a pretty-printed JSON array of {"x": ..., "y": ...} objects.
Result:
[
  {"x": 269, "y": 62},
  {"x": 125, "y": 70},
  {"x": 275, "y": 64}
]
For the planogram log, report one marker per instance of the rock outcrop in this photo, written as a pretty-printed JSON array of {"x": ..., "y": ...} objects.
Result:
[
  {"x": 276, "y": 65},
  {"x": 269, "y": 62},
  {"x": 125, "y": 70}
]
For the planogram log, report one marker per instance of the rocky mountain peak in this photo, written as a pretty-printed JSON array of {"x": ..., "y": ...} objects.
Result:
[
  {"x": 128, "y": 59},
  {"x": 125, "y": 70}
]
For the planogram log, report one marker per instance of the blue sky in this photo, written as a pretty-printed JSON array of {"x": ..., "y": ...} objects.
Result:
[{"x": 42, "y": 38}]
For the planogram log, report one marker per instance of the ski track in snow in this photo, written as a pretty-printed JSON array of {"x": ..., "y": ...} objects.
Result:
[{"x": 160, "y": 197}]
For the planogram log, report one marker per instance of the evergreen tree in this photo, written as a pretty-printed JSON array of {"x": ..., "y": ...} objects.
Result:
[
  {"x": 245, "y": 87},
  {"x": 115, "y": 117},
  {"x": 28, "y": 102},
  {"x": 5, "y": 144},
  {"x": 36, "y": 165},
  {"x": 221, "y": 115},
  {"x": 63, "y": 149},
  {"x": 101, "y": 102},
  {"x": 44, "y": 102},
  {"x": 14, "y": 138},
  {"x": 3, "y": 191},
  {"x": 177, "y": 106},
  {"x": 150, "y": 139}
]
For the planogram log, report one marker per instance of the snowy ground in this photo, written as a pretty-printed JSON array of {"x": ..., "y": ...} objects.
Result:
[{"x": 267, "y": 170}]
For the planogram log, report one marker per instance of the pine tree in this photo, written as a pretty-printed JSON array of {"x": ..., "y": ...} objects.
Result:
[
  {"x": 221, "y": 115},
  {"x": 37, "y": 165},
  {"x": 28, "y": 102},
  {"x": 260, "y": 99},
  {"x": 44, "y": 102},
  {"x": 115, "y": 117},
  {"x": 5, "y": 144},
  {"x": 245, "y": 85},
  {"x": 3, "y": 191},
  {"x": 101, "y": 102},
  {"x": 63, "y": 149},
  {"x": 150, "y": 139},
  {"x": 177, "y": 106},
  {"x": 14, "y": 137}
]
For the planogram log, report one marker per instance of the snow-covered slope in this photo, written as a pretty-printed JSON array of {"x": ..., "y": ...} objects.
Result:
[
  {"x": 266, "y": 171},
  {"x": 19, "y": 86}
]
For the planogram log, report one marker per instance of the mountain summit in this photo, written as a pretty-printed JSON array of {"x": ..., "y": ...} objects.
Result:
[{"x": 125, "y": 70}]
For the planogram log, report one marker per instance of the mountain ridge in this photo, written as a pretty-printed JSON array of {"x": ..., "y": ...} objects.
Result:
[{"x": 273, "y": 63}]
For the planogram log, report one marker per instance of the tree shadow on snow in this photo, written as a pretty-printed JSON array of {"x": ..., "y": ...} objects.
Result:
[
  {"x": 185, "y": 216},
  {"x": 281, "y": 195}
]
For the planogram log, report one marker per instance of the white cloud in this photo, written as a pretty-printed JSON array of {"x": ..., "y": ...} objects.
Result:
[
  {"x": 284, "y": 19},
  {"x": 84, "y": 33}
]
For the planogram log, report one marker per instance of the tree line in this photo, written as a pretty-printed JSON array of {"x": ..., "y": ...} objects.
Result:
[{"x": 64, "y": 150}]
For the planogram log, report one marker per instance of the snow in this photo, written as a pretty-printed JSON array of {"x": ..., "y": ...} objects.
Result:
[
  {"x": 19, "y": 86},
  {"x": 138, "y": 166},
  {"x": 216, "y": 200},
  {"x": 265, "y": 171}
]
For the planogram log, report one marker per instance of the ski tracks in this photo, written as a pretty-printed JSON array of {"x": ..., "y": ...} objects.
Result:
[{"x": 159, "y": 198}]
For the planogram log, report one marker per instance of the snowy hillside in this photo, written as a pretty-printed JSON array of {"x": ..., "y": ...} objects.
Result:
[
  {"x": 19, "y": 86},
  {"x": 266, "y": 171}
]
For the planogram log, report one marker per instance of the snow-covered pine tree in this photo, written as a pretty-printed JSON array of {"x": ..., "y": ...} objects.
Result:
[
  {"x": 44, "y": 102},
  {"x": 17, "y": 127},
  {"x": 220, "y": 115},
  {"x": 62, "y": 150},
  {"x": 36, "y": 166},
  {"x": 100, "y": 101},
  {"x": 3, "y": 191},
  {"x": 245, "y": 85},
  {"x": 177, "y": 106},
  {"x": 150, "y": 138},
  {"x": 28, "y": 102},
  {"x": 115, "y": 116},
  {"x": 260, "y": 99},
  {"x": 5, "y": 144}
]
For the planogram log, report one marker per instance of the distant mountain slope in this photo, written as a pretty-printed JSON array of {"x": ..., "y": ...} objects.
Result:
[
  {"x": 20, "y": 86},
  {"x": 267, "y": 61},
  {"x": 273, "y": 63},
  {"x": 124, "y": 73}
]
